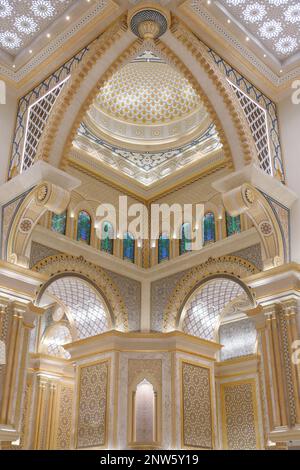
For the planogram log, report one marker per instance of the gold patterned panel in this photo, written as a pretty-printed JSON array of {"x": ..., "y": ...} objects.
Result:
[
  {"x": 197, "y": 427},
  {"x": 239, "y": 415},
  {"x": 64, "y": 427},
  {"x": 93, "y": 384}
]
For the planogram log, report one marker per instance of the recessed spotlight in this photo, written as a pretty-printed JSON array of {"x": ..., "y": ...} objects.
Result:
[
  {"x": 208, "y": 2},
  {"x": 48, "y": 35},
  {"x": 68, "y": 18},
  {"x": 265, "y": 55},
  {"x": 280, "y": 70},
  {"x": 30, "y": 51},
  {"x": 14, "y": 66},
  {"x": 228, "y": 21},
  {"x": 247, "y": 38}
]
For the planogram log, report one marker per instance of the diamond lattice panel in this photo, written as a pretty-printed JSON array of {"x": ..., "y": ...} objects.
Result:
[
  {"x": 274, "y": 23},
  {"x": 84, "y": 304},
  {"x": 205, "y": 307},
  {"x": 21, "y": 21}
]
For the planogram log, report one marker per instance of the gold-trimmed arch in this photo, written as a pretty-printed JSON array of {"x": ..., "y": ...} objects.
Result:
[
  {"x": 68, "y": 265},
  {"x": 44, "y": 197},
  {"x": 226, "y": 266},
  {"x": 121, "y": 45},
  {"x": 247, "y": 199}
]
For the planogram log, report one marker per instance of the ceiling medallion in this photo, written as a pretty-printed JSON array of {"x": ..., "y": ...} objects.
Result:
[{"x": 148, "y": 21}]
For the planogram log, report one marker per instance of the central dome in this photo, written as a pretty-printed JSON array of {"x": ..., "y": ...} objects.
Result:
[
  {"x": 147, "y": 104},
  {"x": 148, "y": 93}
]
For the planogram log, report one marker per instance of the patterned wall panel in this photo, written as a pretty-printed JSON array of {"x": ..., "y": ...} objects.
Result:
[
  {"x": 93, "y": 404},
  {"x": 64, "y": 427},
  {"x": 238, "y": 339},
  {"x": 7, "y": 214},
  {"x": 251, "y": 254},
  {"x": 197, "y": 428},
  {"x": 161, "y": 291},
  {"x": 239, "y": 415}
]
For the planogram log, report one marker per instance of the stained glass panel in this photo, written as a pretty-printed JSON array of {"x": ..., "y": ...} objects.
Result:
[
  {"x": 209, "y": 228},
  {"x": 163, "y": 248},
  {"x": 128, "y": 247},
  {"x": 107, "y": 242},
  {"x": 186, "y": 238},
  {"x": 59, "y": 222},
  {"x": 84, "y": 227},
  {"x": 233, "y": 224}
]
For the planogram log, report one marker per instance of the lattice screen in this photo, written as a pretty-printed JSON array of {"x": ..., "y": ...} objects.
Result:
[
  {"x": 257, "y": 120},
  {"x": 37, "y": 117}
]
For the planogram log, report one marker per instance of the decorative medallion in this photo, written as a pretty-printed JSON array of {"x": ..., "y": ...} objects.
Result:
[
  {"x": 25, "y": 225},
  {"x": 266, "y": 228}
]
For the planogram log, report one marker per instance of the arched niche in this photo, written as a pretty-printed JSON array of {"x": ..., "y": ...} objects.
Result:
[
  {"x": 144, "y": 414},
  {"x": 66, "y": 266},
  {"x": 229, "y": 267}
]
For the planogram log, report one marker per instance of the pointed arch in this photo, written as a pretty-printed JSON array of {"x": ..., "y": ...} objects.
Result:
[{"x": 112, "y": 50}]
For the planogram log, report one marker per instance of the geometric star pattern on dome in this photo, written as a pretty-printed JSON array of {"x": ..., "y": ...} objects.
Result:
[
  {"x": 274, "y": 23},
  {"x": 22, "y": 21},
  {"x": 202, "y": 313},
  {"x": 84, "y": 305},
  {"x": 147, "y": 92}
]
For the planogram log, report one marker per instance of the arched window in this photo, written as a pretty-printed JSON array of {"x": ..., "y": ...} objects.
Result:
[
  {"x": 233, "y": 224},
  {"x": 163, "y": 247},
  {"x": 84, "y": 227},
  {"x": 186, "y": 239},
  {"x": 128, "y": 247},
  {"x": 107, "y": 238},
  {"x": 59, "y": 223},
  {"x": 209, "y": 228}
]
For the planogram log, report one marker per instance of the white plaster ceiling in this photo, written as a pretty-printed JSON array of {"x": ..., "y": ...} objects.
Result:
[
  {"x": 23, "y": 21},
  {"x": 273, "y": 23}
]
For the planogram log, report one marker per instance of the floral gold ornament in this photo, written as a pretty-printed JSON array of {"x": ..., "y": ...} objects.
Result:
[
  {"x": 42, "y": 193},
  {"x": 249, "y": 195}
]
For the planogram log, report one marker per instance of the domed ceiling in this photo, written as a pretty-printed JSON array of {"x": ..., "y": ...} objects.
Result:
[
  {"x": 148, "y": 92},
  {"x": 147, "y": 121}
]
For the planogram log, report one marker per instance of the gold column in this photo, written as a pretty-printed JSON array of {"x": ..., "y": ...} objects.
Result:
[{"x": 42, "y": 384}]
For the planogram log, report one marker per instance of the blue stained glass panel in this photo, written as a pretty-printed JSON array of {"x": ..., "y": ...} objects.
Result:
[
  {"x": 186, "y": 239},
  {"x": 128, "y": 247},
  {"x": 84, "y": 227},
  {"x": 163, "y": 248},
  {"x": 209, "y": 228},
  {"x": 59, "y": 223},
  {"x": 233, "y": 224},
  {"x": 107, "y": 242}
]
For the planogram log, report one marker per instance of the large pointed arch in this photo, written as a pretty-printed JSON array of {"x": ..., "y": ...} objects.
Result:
[{"x": 116, "y": 47}]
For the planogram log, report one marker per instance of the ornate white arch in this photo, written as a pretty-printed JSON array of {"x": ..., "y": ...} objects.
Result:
[
  {"x": 67, "y": 265},
  {"x": 226, "y": 266},
  {"x": 118, "y": 45}
]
